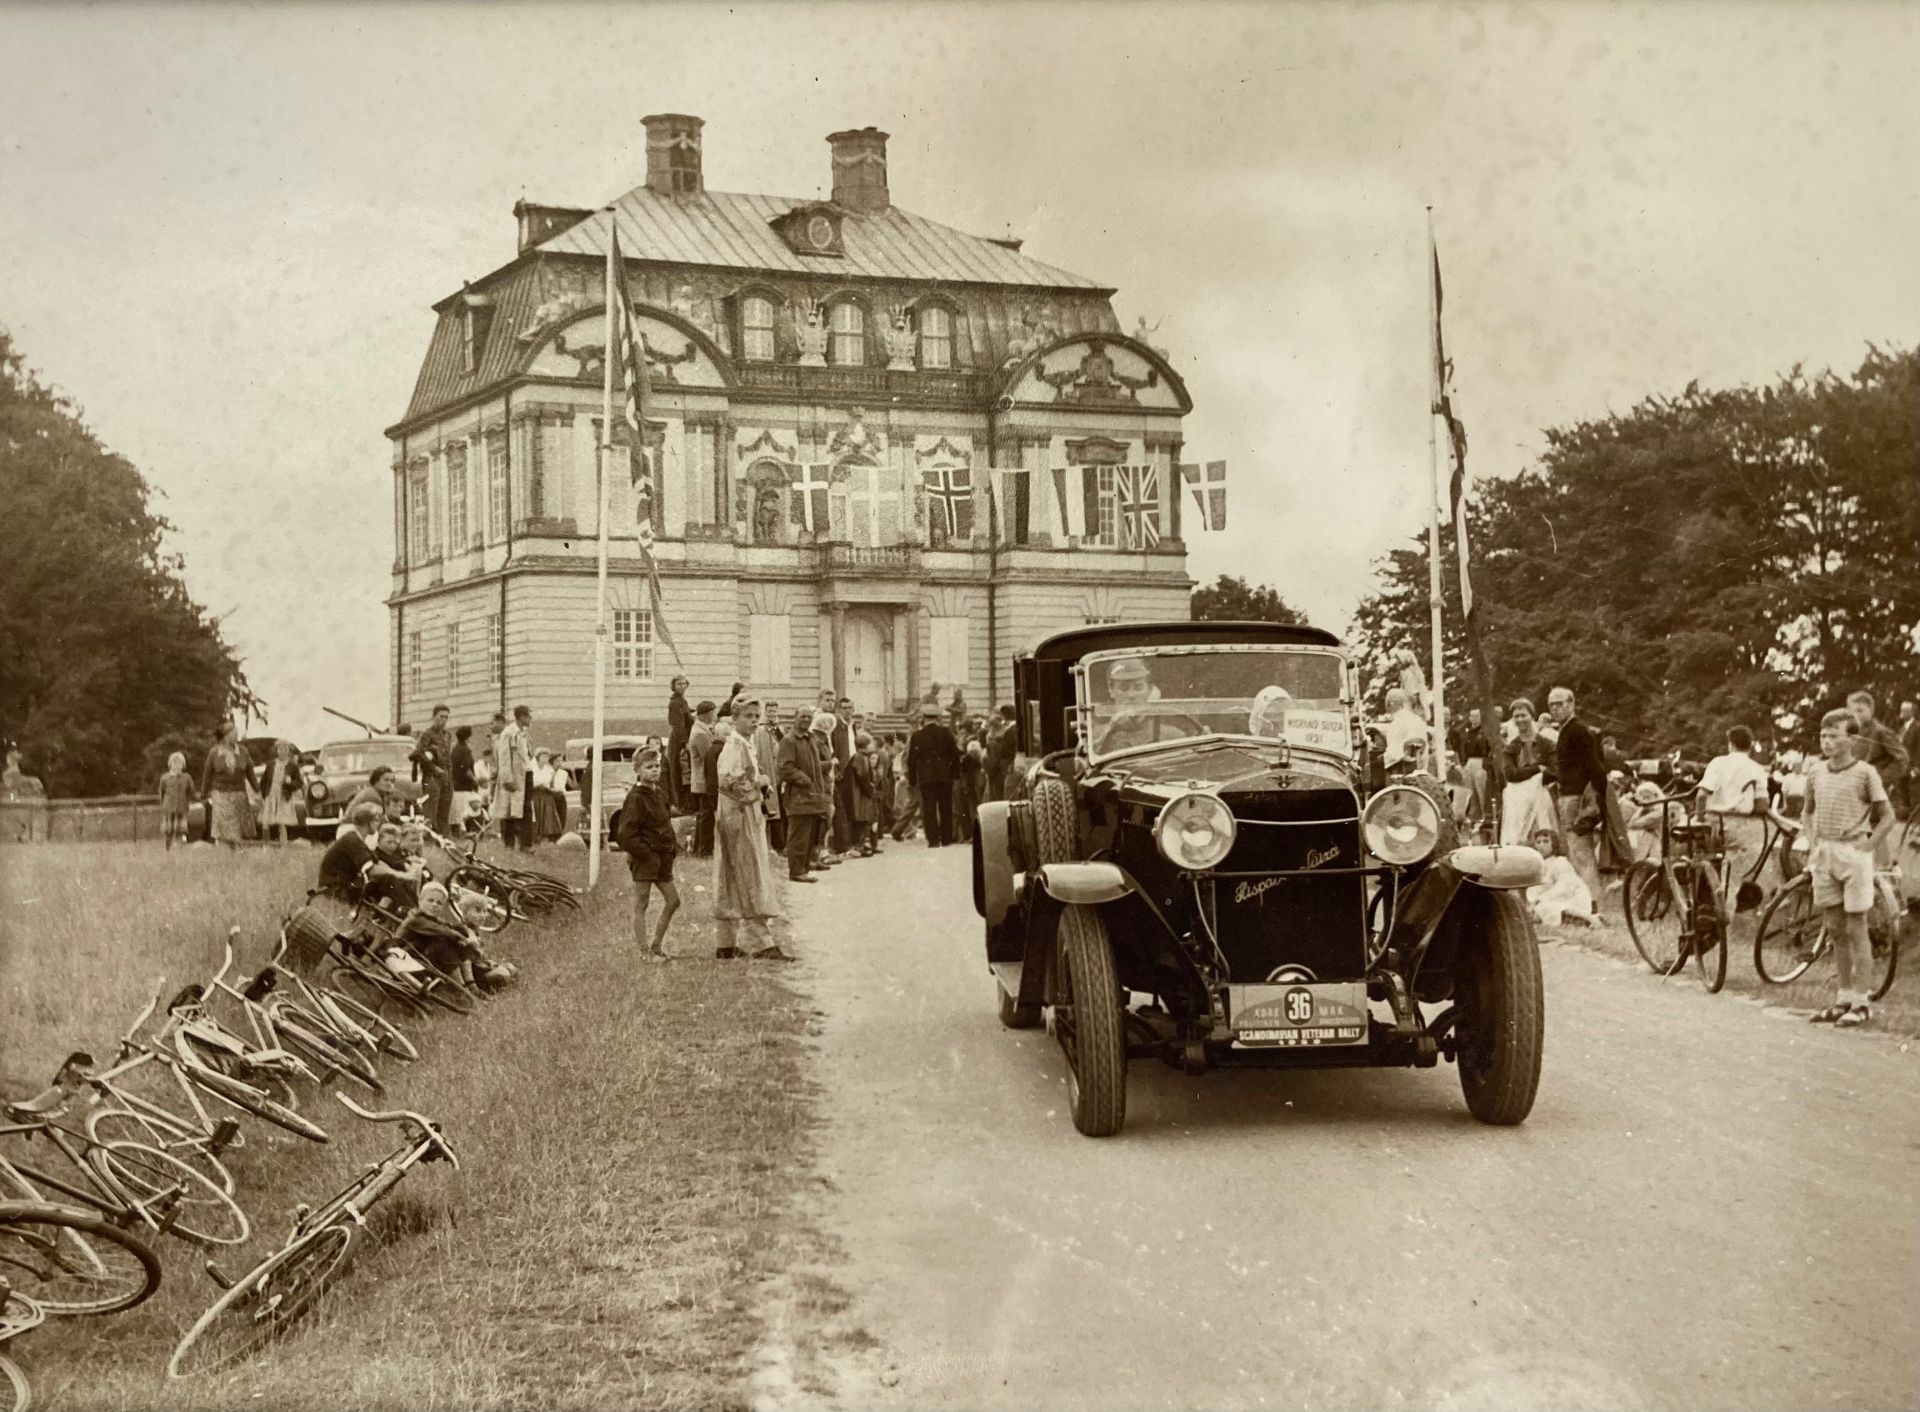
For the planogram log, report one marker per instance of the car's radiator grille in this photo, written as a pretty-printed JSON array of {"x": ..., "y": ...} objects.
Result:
[{"x": 1275, "y": 916}]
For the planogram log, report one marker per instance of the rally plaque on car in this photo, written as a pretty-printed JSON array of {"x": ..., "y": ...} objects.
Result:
[{"x": 1298, "y": 1016}]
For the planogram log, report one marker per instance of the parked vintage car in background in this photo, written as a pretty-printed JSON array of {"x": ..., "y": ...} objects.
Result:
[
  {"x": 1195, "y": 869},
  {"x": 616, "y": 754},
  {"x": 340, "y": 771}
]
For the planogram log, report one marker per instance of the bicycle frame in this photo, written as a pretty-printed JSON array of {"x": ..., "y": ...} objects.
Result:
[{"x": 102, "y": 1194}]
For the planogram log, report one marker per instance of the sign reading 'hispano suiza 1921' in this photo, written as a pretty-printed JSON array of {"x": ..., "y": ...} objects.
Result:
[{"x": 1317, "y": 728}]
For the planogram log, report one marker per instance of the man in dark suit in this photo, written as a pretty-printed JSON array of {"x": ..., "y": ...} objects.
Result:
[
  {"x": 1578, "y": 767},
  {"x": 842, "y": 737},
  {"x": 933, "y": 756},
  {"x": 803, "y": 793}
]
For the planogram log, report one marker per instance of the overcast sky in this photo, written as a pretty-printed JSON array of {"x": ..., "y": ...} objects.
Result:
[{"x": 221, "y": 229}]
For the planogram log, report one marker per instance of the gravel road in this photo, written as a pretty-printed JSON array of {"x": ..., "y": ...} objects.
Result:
[{"x": 1712, "y": 1205}]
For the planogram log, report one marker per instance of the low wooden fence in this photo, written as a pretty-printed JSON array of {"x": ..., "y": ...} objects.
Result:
[{"x": 116, "y": 817}]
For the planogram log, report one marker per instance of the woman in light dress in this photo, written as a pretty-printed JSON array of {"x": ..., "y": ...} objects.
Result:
[
  {"x": 1526, "y": 806},
  {"x": 280, "y": 797},
  {"x": 742, "y": 878}
]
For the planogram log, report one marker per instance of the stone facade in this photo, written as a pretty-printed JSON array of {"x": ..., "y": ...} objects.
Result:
[{"x": 879, "y": 365}]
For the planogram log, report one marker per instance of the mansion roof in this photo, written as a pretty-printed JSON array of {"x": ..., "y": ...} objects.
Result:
[{"x": 734, "y": 230}]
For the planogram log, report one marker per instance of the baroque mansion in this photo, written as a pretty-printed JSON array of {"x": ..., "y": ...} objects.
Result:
[{"x": 862, "y": 424}]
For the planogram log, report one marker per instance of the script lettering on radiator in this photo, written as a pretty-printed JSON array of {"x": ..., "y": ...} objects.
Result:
[{"x": 1254, "y": 891}]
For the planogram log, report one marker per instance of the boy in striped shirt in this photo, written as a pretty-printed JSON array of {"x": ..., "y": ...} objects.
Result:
[{"x": 1846, "y": 812}]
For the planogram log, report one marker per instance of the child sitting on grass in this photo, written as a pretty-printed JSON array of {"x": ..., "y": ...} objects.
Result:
[
  {"x": 1563, "y": 897},
  {"x": 176, "y": 792},
  {"x": 1643, "y": 825},
  {"x": 1845, "y": 817},
  {"x": 435, "y": 930}
]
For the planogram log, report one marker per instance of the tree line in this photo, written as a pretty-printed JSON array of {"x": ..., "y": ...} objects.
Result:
[{"x": 105, "y": 659}]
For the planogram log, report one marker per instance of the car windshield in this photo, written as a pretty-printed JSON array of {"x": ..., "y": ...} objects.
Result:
[
  {"x": 359, "y": 757},
  {"x": 1152, "y": 696}
]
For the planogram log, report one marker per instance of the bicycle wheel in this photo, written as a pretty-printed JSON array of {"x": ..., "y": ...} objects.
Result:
[
  {"x": 180, "y": 1140},
  {"x": 275, "y": 1085},
  {"x": 446, "y": 992},
  {"x": 14, "y": 1385},
  {"x": 70, "y": 1261},
  {"x": 1653, "y": 921},
  {"x": 374, "y": 992},
  {"x": 1709, "y": 943},
  {"x": 1886, "y": 957},
  {"x": 247, "y": 1099},
  {"x": 388, "y": 1037},
  {"x": 262, "y": 1303},
  {"x": 1790, "y": 937},
  {"x": 201, "y": 1212}
]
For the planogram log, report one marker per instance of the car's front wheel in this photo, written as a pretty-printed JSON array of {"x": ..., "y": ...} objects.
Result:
[
  {"x": 1088, "y": 1022},
  {"x": 1500, "y": 1008}
]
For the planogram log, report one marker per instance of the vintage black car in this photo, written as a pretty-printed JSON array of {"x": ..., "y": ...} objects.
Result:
[{"x": 1193, "y": 868}]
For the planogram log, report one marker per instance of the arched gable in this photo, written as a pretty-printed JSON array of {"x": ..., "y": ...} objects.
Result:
[
  {"x": 678, "y": 354},
  {"x": 1097, "y": 370}
]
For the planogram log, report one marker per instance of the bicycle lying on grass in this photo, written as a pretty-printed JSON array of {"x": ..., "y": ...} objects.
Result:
[
  {"x": 62, "y": 1260},
  {"x": 525, "y": 891},
  {"x": 268, "y": 1298},
  {"x": 128, "y": 1182}
]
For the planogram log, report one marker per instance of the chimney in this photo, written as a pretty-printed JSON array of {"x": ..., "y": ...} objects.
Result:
[
  {"x": 673, "y": 154},
  {"x": 860, "y": 170}
]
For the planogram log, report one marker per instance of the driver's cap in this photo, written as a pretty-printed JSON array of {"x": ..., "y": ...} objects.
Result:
[{"x": 1127, "y": 669}]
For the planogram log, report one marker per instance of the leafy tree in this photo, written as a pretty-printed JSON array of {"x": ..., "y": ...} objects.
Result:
[
  {"x": 101, "y": 649},
  {"x": 1231, "y": 599},
  {"x": 1699, "y": 560}
]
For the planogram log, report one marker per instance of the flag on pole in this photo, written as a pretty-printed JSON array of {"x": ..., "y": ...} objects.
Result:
[
  {"x": 1138, "y": 488},
  {"x": 626, "y": 344},
  {"x": 949, "y": 491},
  {"x": 1456, "y": 439},
  {"x": 1012, "y": 485},
  {"x": 1209, "y": 487},
  {"x": 814, "y": 481},
  {"x": 1070, "y": 501}
]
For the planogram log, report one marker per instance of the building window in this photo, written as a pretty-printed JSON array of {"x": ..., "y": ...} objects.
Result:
[
  {"x": 936, "y": 337},
  {"x": 413, "y": 664},
  {"x": 756, "y": 329},
  {"x": 419, "y": 522},
  {"x": 1106, "y": 526},
  {"x": 496, "y": 454},
  {"x": 949, "y": 650},
  {"x": 469, "y": 338},
  {"x": 457, "y": 497},
  {"x": 849, "y": 347},
  {"x": 633, "y": 644},
  {"x": 769, "y": 649},
  {"x": 453, "y": 655},
  {"x": 496, "y": 653}
]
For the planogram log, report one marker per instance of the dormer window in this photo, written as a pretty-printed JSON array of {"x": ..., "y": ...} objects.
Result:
[
  {"x": 476, "y": 312},
  {"x": 936, "y": 337},
  {"x": 756, "y": 329},
  {"x": 849, "y": 345}
]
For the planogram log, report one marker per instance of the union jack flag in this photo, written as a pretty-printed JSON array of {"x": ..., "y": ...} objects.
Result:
[
  {"x": 1138, "y": 488},
  {"x": 952, "y": 490}
]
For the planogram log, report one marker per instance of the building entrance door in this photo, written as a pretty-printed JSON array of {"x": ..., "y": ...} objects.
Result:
[{"x": 866, "y": 664}]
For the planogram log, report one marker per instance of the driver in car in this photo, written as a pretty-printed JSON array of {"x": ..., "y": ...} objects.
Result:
[{"x": 1130, "y": 689}]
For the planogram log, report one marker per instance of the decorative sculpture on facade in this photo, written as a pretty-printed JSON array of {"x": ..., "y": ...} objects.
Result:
[
  {"x": 900, "y": 339},
  {"x": 1095, "y": 379},
  {"x": 810, "y": 332}
]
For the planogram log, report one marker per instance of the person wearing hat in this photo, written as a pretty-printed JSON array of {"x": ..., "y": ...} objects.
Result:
[
  {"x": 1643, "y": 825},
  {"x": 1129, "y": 689},
  {"x": 803, "y": 793},
  {"x": 932, "y": 758}
]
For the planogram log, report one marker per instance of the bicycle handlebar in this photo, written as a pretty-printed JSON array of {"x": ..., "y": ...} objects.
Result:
[
  {"x": 226, "y": 958},
  {"x": 428, "y": 1128},
  {"x": 159, "y": 989}
]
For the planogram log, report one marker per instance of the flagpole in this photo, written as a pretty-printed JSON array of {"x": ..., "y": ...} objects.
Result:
[
  {"x": 1438, "y": 752},
  {"x": 597, "y": 765}
]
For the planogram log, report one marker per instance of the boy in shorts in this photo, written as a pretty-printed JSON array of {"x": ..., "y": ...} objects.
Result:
[
  {"x": 644, "y": 832},
  {"x": 1846, "y": 813}
]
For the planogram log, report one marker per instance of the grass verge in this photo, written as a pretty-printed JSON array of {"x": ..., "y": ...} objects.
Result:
[{"x": 629, "y": 1138}]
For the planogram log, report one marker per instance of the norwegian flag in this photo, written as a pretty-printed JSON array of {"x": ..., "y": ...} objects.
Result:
[
  {"x": 1139, "y": 493},
  {"x": 951, "y": 491}
]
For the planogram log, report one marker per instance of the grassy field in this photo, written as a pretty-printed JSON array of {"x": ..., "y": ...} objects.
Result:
[{"x": 629, "y": 1138}]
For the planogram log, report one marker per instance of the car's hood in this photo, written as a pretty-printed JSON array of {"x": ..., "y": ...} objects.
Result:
[{"x": 1227, "y": 767}]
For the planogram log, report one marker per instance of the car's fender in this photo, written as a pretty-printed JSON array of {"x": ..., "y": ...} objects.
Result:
[
  {"x": 1086, "y": 884},
  {"x": 1448, "y": 898},
  {"x": 1498, "y": 865},
  {"x": 992, "y": 862}
]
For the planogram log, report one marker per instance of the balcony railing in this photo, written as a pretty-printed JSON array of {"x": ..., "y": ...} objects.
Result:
[
  {"x": 857, "y": 560},
  {"x": 797, "y": 381}
]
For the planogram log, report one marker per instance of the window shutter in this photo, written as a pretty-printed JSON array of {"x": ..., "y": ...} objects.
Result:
[{"x": 1091, "y": 488}]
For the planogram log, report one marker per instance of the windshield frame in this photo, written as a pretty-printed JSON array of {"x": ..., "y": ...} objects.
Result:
[{"x": 1082, "y": 711}]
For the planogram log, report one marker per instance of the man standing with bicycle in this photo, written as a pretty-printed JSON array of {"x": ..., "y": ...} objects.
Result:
[
  {"x": 1847, "y": 818},
  {"x": 1734, "y": 788}
]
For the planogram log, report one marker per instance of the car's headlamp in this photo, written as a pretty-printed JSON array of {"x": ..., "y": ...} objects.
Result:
[
  {"x": 1195, "y": 831},
  {"x": 317, "y": 790},
  {"x": 1402, "y": 825}
]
